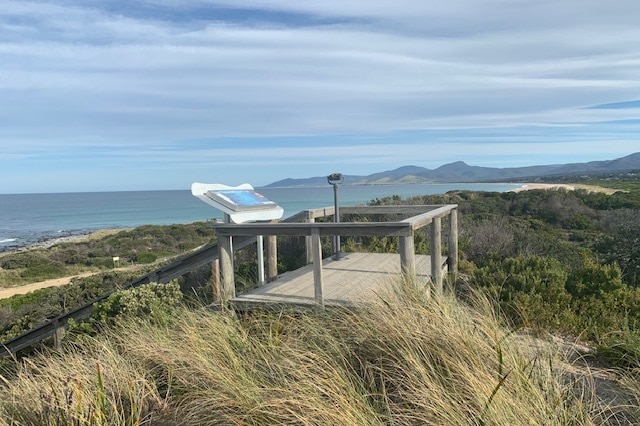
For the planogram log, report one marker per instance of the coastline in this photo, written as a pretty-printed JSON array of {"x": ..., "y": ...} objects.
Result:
[
  {"x": 50, "y": 242},
  {"x": 534, "y": 186},
  {"x": 93, "y": 213},
  {"x": 565, "y": 186}
]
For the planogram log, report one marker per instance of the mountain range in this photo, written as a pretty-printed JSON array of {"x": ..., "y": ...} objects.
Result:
[{"x": 460, "y": 171}]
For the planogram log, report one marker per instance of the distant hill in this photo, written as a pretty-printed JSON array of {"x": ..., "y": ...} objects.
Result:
[{"x": 460, "y": 171}]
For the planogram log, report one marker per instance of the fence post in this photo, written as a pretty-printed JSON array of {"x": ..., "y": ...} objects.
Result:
[
  {"x": 272, "y": 258},
  {"x": 317, "y": 266},
  {"x": 436, "y": 254},
  {"x": 58, "y": 334},
  {"x": 406, "y": 247},
  {"x": 226, "y": 268},
  {"x": 215, "y": 280},
  {"x": 308, "y": 239},
  {"x": 453, "y": 242}
]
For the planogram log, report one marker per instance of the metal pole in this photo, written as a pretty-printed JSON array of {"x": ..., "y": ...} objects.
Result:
[
  {"x": 336, "y": 179},
  {"x": 336, "y": 219}
]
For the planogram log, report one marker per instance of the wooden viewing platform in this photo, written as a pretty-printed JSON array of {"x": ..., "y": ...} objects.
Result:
[{"x": 355, "y": 278}]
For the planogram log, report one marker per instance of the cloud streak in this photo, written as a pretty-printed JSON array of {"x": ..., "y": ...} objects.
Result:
[{"x": 76, "y": 76}]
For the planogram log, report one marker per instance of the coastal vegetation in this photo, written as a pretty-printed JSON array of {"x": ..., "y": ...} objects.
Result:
[
  {"x": 544, "y": 328},
  {"x": 556, "y": 261},
  {"x": 412, "y": 359},
  {"x": 143, "y": 245}
]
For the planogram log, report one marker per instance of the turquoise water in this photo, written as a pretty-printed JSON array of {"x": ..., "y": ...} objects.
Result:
[{"x": 29, "y": 218}]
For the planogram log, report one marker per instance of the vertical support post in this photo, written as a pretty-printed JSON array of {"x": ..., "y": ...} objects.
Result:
[
  {"x": 272, "y": 258},
  {"x": 436, "y": 254},
  {"x": 317, "y": 266},
  {"x": 58, "y": 335},
  {"x": 453, "y": 242},
  {"x": 226, "y": 268},
  {"x": 215, "y": 280},
  {"x": 336, "y": 219},
  {"x": 406, "y": 247},
  {"x": 308, "y": 241},
  {"x": 260, "y": 253}
]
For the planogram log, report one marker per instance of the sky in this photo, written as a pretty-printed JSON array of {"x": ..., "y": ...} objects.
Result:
[{"x": 101, "y": 95}]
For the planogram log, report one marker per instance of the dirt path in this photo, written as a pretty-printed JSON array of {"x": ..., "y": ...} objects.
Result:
[
  {"x": 27, "y": 288},
  {"x": 56, "y": 282}
]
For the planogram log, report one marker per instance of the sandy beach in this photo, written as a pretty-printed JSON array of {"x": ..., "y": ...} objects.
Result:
[
  {"x": 532, "y": 186},
  {"x": 568, "y": 187}
]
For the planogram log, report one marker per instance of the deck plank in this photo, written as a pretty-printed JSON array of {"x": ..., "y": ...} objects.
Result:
[{"x": 353, "y": 279}]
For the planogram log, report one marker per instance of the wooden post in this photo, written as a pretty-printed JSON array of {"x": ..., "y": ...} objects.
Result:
[
  {"x": 453, "y": 242},
  {"x": 58, "y": 335},
  {"x": 215, "y": 280},
  {"x": 272, "y": 258},
  {"x": 407, "y": 251},
  {"x": 317, "y": 266},
  {"x": 226, "y": 268},
  {"x": 436, "y": 254},
  {"x": 260, "y": 255},
  {"x": 308, "y": 240}
]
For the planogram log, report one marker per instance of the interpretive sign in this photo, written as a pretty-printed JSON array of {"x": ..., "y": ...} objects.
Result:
[
  {"x": 242, "y": 203},
  {"x": 241, "y": 199}
]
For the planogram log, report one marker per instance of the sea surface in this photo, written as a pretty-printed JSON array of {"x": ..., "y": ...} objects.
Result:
[{"x": 27, "y": 219}]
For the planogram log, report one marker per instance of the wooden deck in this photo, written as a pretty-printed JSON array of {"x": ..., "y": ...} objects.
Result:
[{"x": 356, "y": 278}]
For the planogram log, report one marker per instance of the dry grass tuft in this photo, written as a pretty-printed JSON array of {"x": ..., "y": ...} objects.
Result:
[{"x": 410, "y": 359}]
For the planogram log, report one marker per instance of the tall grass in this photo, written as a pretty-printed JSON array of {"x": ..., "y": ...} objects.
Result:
[{"x": 406, "y": 360}]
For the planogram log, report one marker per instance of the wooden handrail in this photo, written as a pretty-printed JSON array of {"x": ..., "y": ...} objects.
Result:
[
  {"x": 246, "y": 234},
  {"x": 404, "y": 229},
  {"x": 307, "y": 229},
  {"x": 163, "y": 275}
]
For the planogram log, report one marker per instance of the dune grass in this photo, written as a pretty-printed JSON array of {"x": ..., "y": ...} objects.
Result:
[{"x": 409, "y": 359}]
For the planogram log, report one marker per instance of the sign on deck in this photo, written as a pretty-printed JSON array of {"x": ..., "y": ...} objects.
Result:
[{"x": 242, "y": 203}]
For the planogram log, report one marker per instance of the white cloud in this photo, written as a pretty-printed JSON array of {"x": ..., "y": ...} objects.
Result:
[{"x": 86, "y": 74}]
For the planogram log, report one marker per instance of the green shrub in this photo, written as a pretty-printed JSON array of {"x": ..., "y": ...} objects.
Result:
[
  {"x": 153, "y": 302},
  {"x": 145, "y": 257},
  {"x": 43, "y": 271}
]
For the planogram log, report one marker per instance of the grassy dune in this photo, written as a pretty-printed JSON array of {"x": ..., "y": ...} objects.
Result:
[{"x": 407, "y": 360}]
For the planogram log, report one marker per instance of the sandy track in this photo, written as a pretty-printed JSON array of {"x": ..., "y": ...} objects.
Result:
[
  {"x": 24, "y": 289},
  {"x": 27, "y": 288}
]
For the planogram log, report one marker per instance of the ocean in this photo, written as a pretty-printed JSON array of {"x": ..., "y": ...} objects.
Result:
[{"x": 27, "y": 219}]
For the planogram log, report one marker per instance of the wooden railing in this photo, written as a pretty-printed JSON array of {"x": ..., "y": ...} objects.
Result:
[
  {"x": 425, "y": 215},
  {"x": 55, "y": 327},
  {"x": 421, "y": 216}
]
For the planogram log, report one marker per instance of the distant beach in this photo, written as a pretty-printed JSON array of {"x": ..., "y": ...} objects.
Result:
[
  {"x": 532, "y": 186},
  {"x": 568, "y": 187}
]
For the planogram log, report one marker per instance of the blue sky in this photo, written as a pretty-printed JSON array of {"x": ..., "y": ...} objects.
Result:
[{"x": 99, "y": 95}]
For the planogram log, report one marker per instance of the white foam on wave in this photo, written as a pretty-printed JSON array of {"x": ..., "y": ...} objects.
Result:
[{"x": 8, "y": 240}]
